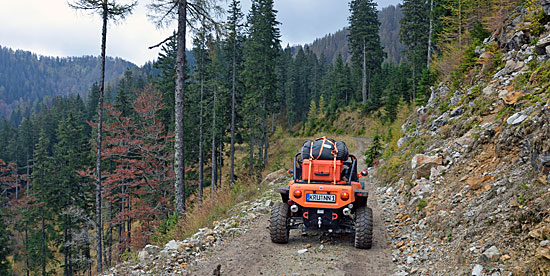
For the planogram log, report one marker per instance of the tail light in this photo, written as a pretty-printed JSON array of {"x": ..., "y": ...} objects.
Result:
[
  {"x": 297, "y": 193},
  {"x": 344, "y": 196}
]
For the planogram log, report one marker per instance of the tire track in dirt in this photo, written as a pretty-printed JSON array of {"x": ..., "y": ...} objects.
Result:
[{"x": 254, "y": 254}]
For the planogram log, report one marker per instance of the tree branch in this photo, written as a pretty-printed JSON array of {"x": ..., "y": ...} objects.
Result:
[{"x": 162, "y": 42}]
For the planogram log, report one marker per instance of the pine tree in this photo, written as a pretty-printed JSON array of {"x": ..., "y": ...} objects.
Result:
[
  {"x": 414, "y": 34},
  {"x": 262, "y": 48},
  {"x": 165, "y": 81},
  {"x": 364, "y": 41},
  {"x": 233, "y": 46},
  {"x": 71, "y": 192},
  {"x": 40, "y": 177}
]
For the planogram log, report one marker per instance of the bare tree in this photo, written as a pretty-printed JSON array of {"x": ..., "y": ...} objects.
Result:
[
  {"x": 162, "y": 13},
  {"x": 108, "y": 10}
]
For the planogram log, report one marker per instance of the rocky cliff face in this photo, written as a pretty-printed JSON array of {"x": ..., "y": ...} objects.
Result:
[{"x": 474, "y": 195}]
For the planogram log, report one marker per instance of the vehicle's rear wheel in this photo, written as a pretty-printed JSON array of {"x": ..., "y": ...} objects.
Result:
[
  {"x": 278, "y": 223},
  {"x": 363, "y": 227}
]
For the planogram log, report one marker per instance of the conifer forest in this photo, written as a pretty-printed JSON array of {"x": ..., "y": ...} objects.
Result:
[{"x": 100, "y": 157}]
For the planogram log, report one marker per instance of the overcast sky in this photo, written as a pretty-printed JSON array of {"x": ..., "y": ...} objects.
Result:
[{"x": 50, "y": 27}]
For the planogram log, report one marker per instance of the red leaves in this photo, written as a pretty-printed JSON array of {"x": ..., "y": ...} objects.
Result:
[{"x": 141, "y": 167}]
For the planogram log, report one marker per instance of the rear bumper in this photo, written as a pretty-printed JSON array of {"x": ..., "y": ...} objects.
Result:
[{"x": 322, "y": 219}]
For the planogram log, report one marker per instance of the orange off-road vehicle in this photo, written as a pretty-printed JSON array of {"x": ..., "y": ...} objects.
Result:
[{"x": 324, "y": 195}]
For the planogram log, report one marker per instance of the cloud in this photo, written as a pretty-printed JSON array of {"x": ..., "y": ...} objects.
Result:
[{"x": 52, "y": 28}]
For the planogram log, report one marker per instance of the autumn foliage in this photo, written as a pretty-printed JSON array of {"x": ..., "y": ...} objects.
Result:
[{"x": 138, "y": 177}]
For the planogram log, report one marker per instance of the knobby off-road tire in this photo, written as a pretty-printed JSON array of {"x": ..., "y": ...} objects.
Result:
[
  {"x": 363, "y": 228},
  {"x": 278, "y": 223}
]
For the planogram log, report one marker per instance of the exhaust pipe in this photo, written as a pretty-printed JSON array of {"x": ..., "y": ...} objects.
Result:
[
  {"x": 346, "y": 211},
  {"x": 294, "y": 208}
]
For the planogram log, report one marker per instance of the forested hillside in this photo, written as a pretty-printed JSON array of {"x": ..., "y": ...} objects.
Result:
[
  {"x": 26, "y": 78},
  {"x": 330, "y": 45}
]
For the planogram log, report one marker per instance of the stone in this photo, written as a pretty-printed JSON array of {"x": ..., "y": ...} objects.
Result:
[
  {"x": 545, "y": 160},
  {"x": 152, "y": 249},
  {"x": 519, "y": 66},
  {"x": 517, "y": 118},
  {"x": 440, "y": 121},
  {"x": 422, "y": 164},
  {"x": 492, "y": 253},
  {"x": 544, "y": 243},
  {"x": 143, "y": 257},
  {"x": 510, "y": 65},
  {"x": 422, "y": 189},
  {"x": 210, "y": 239},
  {"x": 455, "y": 100},
  {"x": 457, "y": 111},
  {"x": 171, "y": 245},
  {"x": 515, "y": 42},
  {"x": 545, "y": 6},
  {"x": 410, "y": 260},
  {"x": 302, "y": 251},
  {"x": 543, "y": 253},
  {"x": 399, "y": 244},
  {"x": 466, "y": 139},
  {"x": 475, "y": 183},
  {"x": 477, "y": 270},
  {"x": 511, "y": 97},
  {"x": 489, "y": 90},
  {"x": 267, "y": 203},
  {"x": 540, "y": 47}
]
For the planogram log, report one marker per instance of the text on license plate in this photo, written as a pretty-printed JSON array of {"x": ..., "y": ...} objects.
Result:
[{"x": 320, "y": 198}]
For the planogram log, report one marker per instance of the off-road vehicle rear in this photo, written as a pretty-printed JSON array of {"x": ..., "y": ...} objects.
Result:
[{"x": 325, "y": 195}]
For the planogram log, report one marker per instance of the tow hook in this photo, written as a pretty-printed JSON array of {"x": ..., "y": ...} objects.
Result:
[{"x": 319, "y": 222}]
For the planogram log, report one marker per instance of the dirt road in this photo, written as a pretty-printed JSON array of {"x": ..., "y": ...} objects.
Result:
[{"x": 254, "y": 254}]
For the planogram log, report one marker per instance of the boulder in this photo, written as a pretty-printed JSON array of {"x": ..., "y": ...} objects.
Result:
[
  {"x": 422, "y": 164},
  {"x": 515, "y": 42}
]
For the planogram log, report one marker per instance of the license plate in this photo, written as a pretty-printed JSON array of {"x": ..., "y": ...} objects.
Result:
[{"x": 320, "y": 198}]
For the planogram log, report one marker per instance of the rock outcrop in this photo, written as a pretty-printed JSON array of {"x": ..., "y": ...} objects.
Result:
[{"x": 474, "y": 198}]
